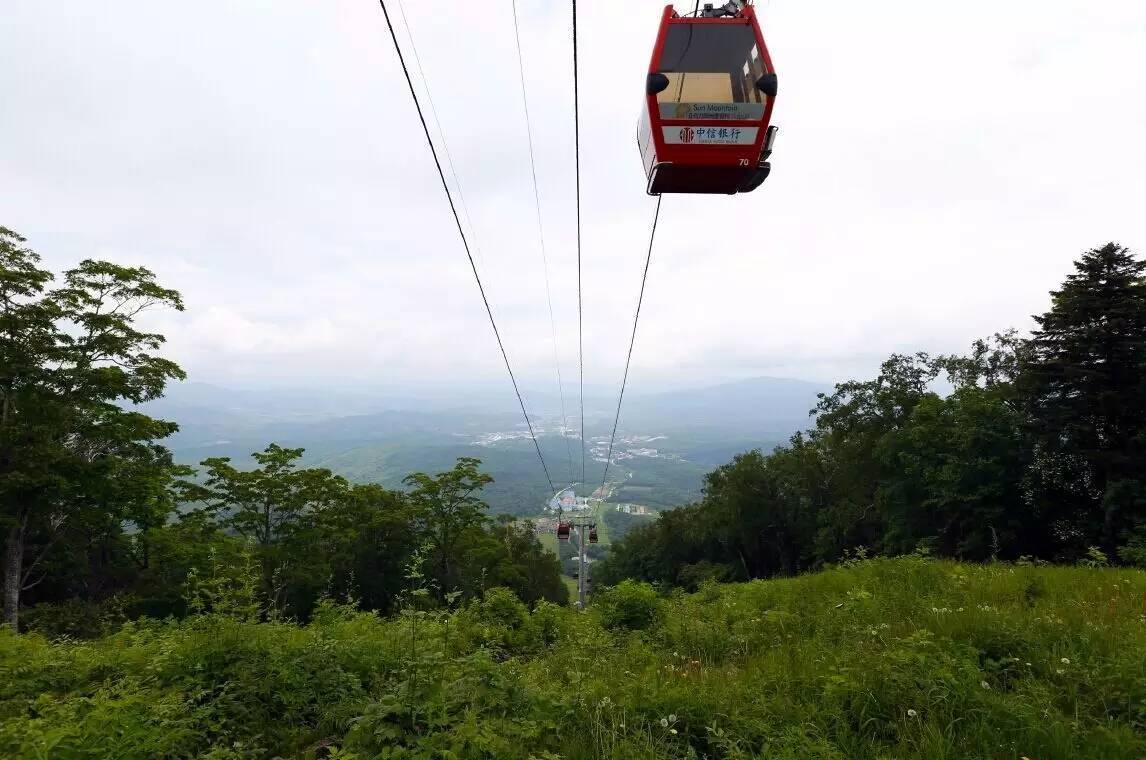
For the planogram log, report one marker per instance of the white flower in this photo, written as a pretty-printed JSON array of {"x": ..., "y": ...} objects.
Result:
[
  {"x": 664, "y": 722},
  {"x": 672, "y": 730},
  {"x": 1060, "y": 671},
  {"x": 672, "y": 718},
  {"x": 1064, "y": 661},
  {"x": 912, "y": 714},
  {"x": 984, "y": 684}
]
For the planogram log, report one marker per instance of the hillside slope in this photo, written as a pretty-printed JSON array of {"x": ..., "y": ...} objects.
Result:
[
  {"x": 382, "y": 438},
  {"x": 903, "y": 658}
]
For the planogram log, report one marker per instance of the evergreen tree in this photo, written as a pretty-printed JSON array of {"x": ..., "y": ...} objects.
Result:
[{"x": 1084, "y": 382}]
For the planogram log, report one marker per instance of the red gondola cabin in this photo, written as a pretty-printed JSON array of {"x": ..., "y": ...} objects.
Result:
[
  {"x": 708, "y": 103},
  {"x": 563, "y": 531}
]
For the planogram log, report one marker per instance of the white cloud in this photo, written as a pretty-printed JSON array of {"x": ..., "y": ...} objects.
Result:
[{"x": 938, "y": 168}]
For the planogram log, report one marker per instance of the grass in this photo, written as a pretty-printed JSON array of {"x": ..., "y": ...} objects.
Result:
[{"x": 881, "y": 659}]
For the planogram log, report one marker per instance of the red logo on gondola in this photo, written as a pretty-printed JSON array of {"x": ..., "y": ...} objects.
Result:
[{"x": 687, "y": 135}]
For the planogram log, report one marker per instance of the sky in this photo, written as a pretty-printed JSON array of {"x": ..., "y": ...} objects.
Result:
[{"x": 937, "y": 169}]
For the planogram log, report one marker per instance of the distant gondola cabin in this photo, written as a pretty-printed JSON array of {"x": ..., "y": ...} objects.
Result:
[{"x": 705, "y": 126}]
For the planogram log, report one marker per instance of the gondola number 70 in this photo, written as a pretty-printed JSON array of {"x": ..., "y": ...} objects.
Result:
[{"x": 744, "y": 162}]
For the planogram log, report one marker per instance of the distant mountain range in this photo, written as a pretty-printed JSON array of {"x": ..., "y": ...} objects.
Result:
[
  {"x": 382, "y": 437},
  {"x": 761, "y": 405}
]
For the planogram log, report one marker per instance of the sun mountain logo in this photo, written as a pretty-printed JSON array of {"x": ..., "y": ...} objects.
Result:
[{"x": 687, "y": 134}]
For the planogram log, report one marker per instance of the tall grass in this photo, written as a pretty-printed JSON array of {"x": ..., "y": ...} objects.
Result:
[{"x": 883, "y": 658}]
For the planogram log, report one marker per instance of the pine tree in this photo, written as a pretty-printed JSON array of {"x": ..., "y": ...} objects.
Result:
[{"x": 1085, "y": 387}]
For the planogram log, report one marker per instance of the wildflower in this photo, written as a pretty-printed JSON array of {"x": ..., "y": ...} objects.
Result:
[
  {"x": 912, "y": 714},
  {"x": 672, "y": 718},
  {"x": 672, "y": 730},
  {"x": 664, "y": 722},
  {"x": 1064, "y": 661},
  {"x": 984, "y": 684},
  {"x": 1060, "y": 671}
]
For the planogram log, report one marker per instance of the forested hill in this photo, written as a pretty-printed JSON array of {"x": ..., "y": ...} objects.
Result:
[
  {"x": 1038, "y": 450},
  {"x": 756, "y": 406},
  {"x": 382, "y": 437},
  {"x": 1032, "y": 452}
]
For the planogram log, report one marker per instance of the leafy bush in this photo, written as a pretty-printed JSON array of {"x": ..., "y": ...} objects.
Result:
[
  {"x": 629, "y": 604},
  {"x": 76, "y": 618},
  {"x": 1133, "y": 552},
  {"x": 693, "y": 576},
  {"x": 907, "y": 657},
  {"x": 498, "y": 621}
]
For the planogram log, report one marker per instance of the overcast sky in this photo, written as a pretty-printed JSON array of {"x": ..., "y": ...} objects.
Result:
[{"x": 937, "y": 169}]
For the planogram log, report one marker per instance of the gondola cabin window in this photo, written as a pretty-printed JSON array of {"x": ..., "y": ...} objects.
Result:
[{"x": 712, "y": 71}]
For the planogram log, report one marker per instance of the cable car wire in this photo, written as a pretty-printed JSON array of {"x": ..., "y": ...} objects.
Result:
[
  {"x": 577, "y": 166},
  {"x": 462, "y": 234},
  {"x": 632, "y": 340},
  {"x": 442, "y": 136},
  {"x": 541, "y": 240}
]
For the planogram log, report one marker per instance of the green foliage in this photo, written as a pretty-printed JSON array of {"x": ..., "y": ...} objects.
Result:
[
  {"x": 1133, "y": 552},
  {"x": 283, "y": 512},
  {"x": 1037, "y": 451},
  {"x": 886, "y": 658},
  {"x": 228, "y": 589},
  {"x": 629, "y": 605},
  {"x": 693, "y": 576},
  {"x": 450, "y": 506},
  {"x": 76, "y": 618},
  {"x": 74, "y": 464},
  {"x": 954, "y": 476},
  {"x": 1084, "y": 389}
]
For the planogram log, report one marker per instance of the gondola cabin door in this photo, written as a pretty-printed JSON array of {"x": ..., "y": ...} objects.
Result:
[{"x": 705, "y": 127}]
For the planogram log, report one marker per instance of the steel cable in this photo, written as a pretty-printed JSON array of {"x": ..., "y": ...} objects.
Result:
[{"x": 465, "y": 242}]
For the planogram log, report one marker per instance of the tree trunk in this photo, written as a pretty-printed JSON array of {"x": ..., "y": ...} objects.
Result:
[{"x": 13, "y": 580}]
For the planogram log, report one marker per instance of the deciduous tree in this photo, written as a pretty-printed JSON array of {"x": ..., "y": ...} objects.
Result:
[{"x": 70, "y": 357}]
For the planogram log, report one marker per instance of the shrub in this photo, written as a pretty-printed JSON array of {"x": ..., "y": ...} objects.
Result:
[
  {"x": 499, "y": 621},
  {"x": 888, "y": 658},
  {"x": 1133, "y": 552},
  {"x": 630, "y": 604},
  {"x": 76, "y": 618},
  {"x": 694, "y": 575}
]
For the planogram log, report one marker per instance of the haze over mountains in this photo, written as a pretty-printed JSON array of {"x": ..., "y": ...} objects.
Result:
[{"x": 666, "y": 441}]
